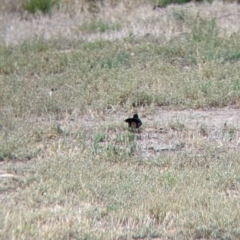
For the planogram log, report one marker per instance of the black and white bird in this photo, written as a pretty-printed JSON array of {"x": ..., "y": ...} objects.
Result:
[{"x": 134, "y": 122}]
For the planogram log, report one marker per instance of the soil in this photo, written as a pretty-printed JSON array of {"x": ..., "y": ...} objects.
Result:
[
  {"x": 169, "y": 131},
  {"x": 191, "y": 131}
]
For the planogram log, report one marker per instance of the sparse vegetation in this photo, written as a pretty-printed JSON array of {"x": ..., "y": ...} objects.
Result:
[
  {"x": 164, "y": 3},
  {"x": 45, "y": 6},
  {"x": 98, "y": 26},
  {"x": 69, "y": 166}
]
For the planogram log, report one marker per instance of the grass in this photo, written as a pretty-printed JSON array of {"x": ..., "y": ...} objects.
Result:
[
  {"x": 136, "y": 75},
  {"x": 99, "y": 26},
  {"x": 45, "y": 6},
  {"x": 70, "y": 168},
  {"x": 68, "y": 196}
]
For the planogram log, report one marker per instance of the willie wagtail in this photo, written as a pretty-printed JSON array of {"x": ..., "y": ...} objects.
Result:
[{"x": 134, "y": 122}]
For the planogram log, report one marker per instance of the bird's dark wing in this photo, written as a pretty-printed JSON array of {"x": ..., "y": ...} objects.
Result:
[
  {"x": 128, "y": 120},
  {"x": 134, "y": 122}
]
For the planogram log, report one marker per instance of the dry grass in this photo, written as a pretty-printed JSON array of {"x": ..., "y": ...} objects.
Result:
[{"x": 69, "y": 167}]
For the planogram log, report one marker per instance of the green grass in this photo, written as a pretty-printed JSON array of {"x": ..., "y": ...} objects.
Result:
[
  {"x": 45, "y": 6},
  {"x": 164, "y": 3},
  {"x": 99, "y": 26},
  {"x": 78, "y": 173},
  {"x": 192, "y": 72}
]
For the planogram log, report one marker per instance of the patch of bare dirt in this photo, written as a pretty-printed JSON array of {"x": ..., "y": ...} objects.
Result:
[
  {"x": 190, "y": 131},
  {"x": 168, "y": 131}
]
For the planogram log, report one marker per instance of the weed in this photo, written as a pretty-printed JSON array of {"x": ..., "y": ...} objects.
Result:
[
  {"x": 98, "y": 138},
  {"x": 164, "y": 3},
  {"x": 98, "y": 26},
  {"x": 44, "y": 6},
  {"x": 177, "y": 125},
  {"x": 228, "y": 131},
  {"x": 204, "y": 130}
]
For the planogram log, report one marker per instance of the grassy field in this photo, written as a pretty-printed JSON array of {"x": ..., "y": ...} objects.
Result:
[{"x": 70, "y": 168}]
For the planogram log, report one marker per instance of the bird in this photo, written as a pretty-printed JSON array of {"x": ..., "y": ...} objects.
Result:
[{"x": 134, "y": 122}]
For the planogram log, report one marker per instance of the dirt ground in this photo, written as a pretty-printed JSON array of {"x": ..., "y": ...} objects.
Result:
[
  {"x": 193, "y": 130},
  {"x": 187, "y": 131}
]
